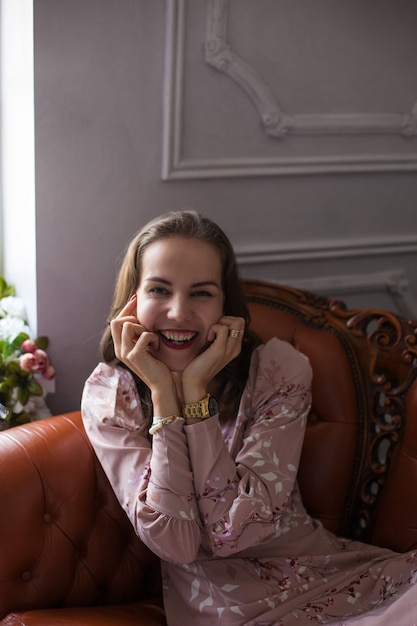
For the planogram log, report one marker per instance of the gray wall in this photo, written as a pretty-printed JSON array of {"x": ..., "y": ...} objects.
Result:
[{"x": 130, "y": 120}]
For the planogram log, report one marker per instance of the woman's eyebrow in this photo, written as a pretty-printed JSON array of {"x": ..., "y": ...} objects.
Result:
[
  {"x": 164, "y": 281},
  {"x": 157, "y": 279},
  {"x": 206, "y": 283}
]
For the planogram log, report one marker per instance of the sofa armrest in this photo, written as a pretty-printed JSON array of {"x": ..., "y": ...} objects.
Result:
[
  {"x": 64, "y": 539},
  {"x": 133, "y": 614}
]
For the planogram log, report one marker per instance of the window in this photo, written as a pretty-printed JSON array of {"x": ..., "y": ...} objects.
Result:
[{"x": 18, "y": 243}]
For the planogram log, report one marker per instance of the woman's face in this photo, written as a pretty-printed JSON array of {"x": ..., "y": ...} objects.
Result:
[{"x": 180, "y": 297}]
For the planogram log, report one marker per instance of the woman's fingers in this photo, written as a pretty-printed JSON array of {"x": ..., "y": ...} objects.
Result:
[
  {"x": 138, "y": 352},
  {"x": 229, "y": 334},
  {"x": 224, "y": 347},
  {"x": 137, "y": 347},
  {"x": 225, "y": 327},
  {"x": 231, "y": 330},
  {"x": 233, "y": 323},
  {"x": 130, "y": 333},
  {"x": 129, "y": 307},
  {"x": 125, "y": 323}
]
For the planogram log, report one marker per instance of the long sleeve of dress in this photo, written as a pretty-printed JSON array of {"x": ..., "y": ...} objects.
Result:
[
  {"x": 242, "y": 500},
  {"x": 153, "y": 484}
]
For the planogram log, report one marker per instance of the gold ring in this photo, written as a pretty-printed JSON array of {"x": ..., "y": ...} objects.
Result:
[{"x": 235, "y": 334}]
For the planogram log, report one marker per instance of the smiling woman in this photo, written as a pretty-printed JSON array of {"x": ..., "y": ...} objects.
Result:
[{"x": 200, "y": 428}]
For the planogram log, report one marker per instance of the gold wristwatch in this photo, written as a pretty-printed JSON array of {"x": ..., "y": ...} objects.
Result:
[{"x": 207, "y": 407}]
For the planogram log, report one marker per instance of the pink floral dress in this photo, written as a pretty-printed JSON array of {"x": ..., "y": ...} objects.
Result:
[{"x": 223, "y": 511}]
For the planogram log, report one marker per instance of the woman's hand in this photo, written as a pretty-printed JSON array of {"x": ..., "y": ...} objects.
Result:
[
  {"x": 224, "y": 347},
  {"x": 132, "y": 346}
]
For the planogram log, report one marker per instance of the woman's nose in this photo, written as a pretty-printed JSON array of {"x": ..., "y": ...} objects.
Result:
[{"x": 179, "y": 309}]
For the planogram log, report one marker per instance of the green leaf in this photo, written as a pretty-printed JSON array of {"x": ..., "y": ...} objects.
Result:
[
  {"x": 42, "y": 342},
  {"x": 5, "y": 393},
  {"x": 34, "y": 388},
  {"x": 23, "y": 395},
  {"x": 17, "y": 341},
  {"x": 5, "y": 289},
  {"x": 19, "y": 418},
  {"x": 6, "y": 349},
  {"x": 13, "y": 367},
  {"x": 6, "y": 384}
]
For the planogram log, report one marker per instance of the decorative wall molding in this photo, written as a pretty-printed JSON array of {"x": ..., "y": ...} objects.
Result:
[
  {"x": 176, "y": 165},
  {"x": 317, "y": 250},
  {"x": 395, "y": 283},
  {"x": 276, "y": 123}
]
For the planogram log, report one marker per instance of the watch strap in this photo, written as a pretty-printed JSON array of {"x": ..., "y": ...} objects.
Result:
[{"x": 197, "y": 409}]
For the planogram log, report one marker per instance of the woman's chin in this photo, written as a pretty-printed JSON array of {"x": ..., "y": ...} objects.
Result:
[
  {"x": 176, "y": 365},
  {"x": 177, "y": 360}
]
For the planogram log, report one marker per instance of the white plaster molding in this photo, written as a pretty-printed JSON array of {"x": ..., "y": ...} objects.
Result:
[
  {"x": 187, "y": 169},
  {"x": 174, "y": 67},
  {"x": 277, "y": 124},
  {"x": 317, "y": 250},
  {"x": 394, "y": 283},
  {"x": 220, "y": 56},
  {"x": 176, "y": 166}
]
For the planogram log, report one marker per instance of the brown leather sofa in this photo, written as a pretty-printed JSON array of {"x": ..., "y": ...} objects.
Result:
[{"x": 68, "y": 555}]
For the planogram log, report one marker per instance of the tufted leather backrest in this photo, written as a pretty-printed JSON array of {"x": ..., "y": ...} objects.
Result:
[
  {"x": 330, "y": 444},
  {"x": 64, "y": 540}
]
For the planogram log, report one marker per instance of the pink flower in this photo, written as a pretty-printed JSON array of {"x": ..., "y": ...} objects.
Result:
[
  {"x": 49, "y": 373},
  {"x": 36, "y": 360},
  {"x": 41, "y": 361},
  {"x": 27, "y": 361},
  {"x": 29, "y": 345}
]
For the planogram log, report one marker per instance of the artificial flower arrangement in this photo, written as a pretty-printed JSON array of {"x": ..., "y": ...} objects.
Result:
[{"x": 26, "y": 373}]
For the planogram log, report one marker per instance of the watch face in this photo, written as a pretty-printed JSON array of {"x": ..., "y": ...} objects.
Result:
[{"x": 213, "y": 407}]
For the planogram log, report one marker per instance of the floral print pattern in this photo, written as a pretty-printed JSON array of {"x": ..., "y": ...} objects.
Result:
[{"x": 223, "y": 510}]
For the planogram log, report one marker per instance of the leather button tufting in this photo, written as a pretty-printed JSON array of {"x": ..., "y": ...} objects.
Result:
[
  {"x": 26, "y": 576},
  {"x": 47, "y": 518}
]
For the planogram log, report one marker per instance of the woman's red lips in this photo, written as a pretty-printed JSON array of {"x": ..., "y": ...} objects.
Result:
[{"x": 177, "y": 340}]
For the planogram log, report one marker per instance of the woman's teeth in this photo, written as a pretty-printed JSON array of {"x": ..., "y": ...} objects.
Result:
[{"x": 177, "y": 338}]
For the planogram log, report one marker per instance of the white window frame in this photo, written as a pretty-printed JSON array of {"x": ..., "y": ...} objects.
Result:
[{"x": 18, "y": 233}]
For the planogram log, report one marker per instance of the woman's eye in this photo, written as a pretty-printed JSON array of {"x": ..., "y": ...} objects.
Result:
[
  {"x": 158, "y": 291},
  {"x": 201, "y": 294}
]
